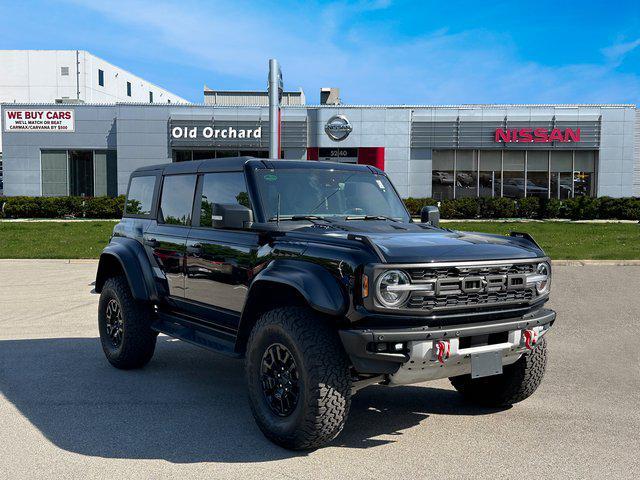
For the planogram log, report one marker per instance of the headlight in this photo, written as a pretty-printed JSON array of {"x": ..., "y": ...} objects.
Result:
[
  {"x": 543, "y": 283},
  {"x": 391, "y": 288}
]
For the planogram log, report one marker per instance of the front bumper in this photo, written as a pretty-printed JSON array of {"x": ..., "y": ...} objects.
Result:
[{"x": 420, "y": 344}]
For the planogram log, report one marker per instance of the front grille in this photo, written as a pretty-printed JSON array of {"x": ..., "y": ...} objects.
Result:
[
  {"x": 453, "y": 293},
  {"x": 418, "y": 274},
  {"x": 468, "y": 299}
]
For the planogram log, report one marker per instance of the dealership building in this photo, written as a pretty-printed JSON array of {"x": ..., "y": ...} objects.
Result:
[{"x": 452, "y": 151}]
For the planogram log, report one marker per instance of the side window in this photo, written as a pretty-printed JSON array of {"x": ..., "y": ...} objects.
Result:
[
  {"x": 177, "y": 199},
  {"x": 140, "y": 196},
  {"x": 226, "y": 187}
]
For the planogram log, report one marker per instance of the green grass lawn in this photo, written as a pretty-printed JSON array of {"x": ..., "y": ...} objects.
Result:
[
  {"x": 561, "y": 240},
  {"x": 54, "y": 239},
  {"x": 570, "y": 241}
]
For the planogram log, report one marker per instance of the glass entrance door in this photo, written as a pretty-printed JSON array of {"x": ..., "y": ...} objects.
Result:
[{"x": 81, "y": 173}]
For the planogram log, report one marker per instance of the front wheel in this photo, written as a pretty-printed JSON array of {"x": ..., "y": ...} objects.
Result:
[
  {"x": 298, "y": 378},
  {"x": 517, "y": 382}
]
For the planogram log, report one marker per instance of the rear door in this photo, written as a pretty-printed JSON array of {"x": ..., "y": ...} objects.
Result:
[
  {"x": 219, "y": 261},
  {"x": 166, "y": 239}
]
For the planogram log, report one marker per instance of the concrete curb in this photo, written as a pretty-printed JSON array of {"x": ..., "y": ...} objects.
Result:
[
  {"x": 57, "y": 220},
  {"x": 555, "y": 263},
  {"x": 531, "y": 220},
  {"x": 584, "y": 263}
]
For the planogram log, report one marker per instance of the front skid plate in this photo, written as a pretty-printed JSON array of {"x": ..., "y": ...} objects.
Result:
[{"x": 423, "y": 364}]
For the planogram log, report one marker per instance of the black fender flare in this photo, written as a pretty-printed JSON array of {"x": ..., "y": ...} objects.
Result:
[
  {"x": 315, "y": 283},
  {"x": 133, "y": 261}
]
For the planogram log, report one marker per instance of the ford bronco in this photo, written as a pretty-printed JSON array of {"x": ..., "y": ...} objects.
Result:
[{"x": 317, "y": 276}]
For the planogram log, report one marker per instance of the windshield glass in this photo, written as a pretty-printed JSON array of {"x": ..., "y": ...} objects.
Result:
[{"x": 327, "y": 193}]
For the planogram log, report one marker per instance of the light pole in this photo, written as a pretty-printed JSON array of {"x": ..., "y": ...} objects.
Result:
[{"x": 275, "y": 93}]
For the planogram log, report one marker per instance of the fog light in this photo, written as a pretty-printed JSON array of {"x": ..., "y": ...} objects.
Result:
[
  {"x": 381, "y": 347},
  {"x": 398, "y": 347}
]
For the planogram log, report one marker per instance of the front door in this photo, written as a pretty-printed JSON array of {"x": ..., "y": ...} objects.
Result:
[
  {"x": 220, "y": 262},
  {"x": 219, "y": 265}
]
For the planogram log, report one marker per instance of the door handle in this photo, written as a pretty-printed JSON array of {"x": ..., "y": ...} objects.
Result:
[
  {"x": 151, "y": 242},
  {"x": 195, "y": 248}
]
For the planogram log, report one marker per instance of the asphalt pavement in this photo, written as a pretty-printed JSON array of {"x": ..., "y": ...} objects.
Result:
[{"x": 65, "y": 413}]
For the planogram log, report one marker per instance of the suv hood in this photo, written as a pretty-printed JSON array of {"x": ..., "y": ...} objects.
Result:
[
  {"x": 411, "y": 243},
  {"x": 443, "y": 246}
]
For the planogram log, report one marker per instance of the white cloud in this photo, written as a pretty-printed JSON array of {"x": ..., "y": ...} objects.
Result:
[
  {"x": 324, "y": 45},
  {"x": 616, "y": 53}
]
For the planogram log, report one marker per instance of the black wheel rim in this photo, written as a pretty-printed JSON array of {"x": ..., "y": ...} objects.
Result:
[
  {"x": 113, "y": 316},
  {"x": 279, "y": 375}
]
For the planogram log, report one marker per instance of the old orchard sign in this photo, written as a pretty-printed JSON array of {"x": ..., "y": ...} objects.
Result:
[
  {"x": 218, "y": 133},
  {"x": 210, "y": 132}
]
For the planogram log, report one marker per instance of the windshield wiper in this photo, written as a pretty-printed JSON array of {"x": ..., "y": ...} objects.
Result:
[
  {"x": 371, "y": 217},
  {"x": 299, "y": 217}
]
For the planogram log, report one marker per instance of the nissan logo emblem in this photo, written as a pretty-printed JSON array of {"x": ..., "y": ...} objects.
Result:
[{"x": 338, "y": 128}]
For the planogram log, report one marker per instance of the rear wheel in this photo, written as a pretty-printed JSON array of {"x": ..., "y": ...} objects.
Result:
[
  {"x": 298, "y": 378},
  {"x": 517, "y": 382},
  {"x": 124, "y": 324}
]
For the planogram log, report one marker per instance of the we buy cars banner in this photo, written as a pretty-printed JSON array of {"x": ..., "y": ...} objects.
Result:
[{"x": 30, "y": 120}]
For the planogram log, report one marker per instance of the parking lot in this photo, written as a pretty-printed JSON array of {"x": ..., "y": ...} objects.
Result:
[{"x": 65, "y": 413}]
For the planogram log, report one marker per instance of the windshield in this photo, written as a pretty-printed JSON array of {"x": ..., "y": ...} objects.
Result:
[{"x": 327, "y": 193}]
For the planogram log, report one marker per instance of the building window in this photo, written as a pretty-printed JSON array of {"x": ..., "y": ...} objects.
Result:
[
  {"x": 538, "y": 174},
  {"x": 100, "y": 78},
  {"x": 64, "y": 71},
  {"x": 79, "y": 172},
  {"x": 150, "y": 97},
  {"x": 513, "y": 174},
  {"x": 128, "y": 89},
  {"x": 490, "y": 173},
  {"x": 466, "y": 174},
  {"x": 54, "y": 173},
  {"x": 584, "y": 163},
  {"x": 561, "y": 174},
  {"x": 443, "y": 174},
  {"x": 557, "y": 174}
]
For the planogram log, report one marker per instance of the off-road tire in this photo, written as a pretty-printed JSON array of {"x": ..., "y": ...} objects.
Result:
[
  {"x": 138, "y": 340},
  {"x": 517, "y": 382},
  {"x": 324, "y": 379}
]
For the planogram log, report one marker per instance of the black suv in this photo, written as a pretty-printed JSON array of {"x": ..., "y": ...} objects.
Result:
[{"x": 316, "y": 274}]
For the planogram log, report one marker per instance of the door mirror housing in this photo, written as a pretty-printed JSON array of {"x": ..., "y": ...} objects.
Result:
[
  {"x": 231, "y": 215},
  {"x": 430, "y": 215}
]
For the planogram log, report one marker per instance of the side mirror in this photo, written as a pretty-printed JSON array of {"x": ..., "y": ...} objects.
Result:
[
  {"x": 430, "y": 215},
  {"x": 231, "y": 215}
]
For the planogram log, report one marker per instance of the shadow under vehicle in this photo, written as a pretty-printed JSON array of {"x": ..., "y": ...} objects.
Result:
[{"x": 315, "y": 274}]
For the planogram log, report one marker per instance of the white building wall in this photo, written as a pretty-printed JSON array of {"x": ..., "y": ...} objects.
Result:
[
  {"x": 636, "y": 153},
  {"x": 35, "y": 76}
]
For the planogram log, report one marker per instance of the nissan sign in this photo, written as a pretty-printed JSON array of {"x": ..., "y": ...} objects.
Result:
[
  {"x": 338, "y": 128},
  {"x": 536, "y": 135}
]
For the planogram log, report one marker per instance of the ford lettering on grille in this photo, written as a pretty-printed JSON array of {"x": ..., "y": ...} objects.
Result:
[{"x": 480, "y": 284}]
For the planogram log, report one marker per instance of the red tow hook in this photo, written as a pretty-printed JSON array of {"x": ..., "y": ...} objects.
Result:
[
  {"x": 443, "y": 348},
  {"x": 530, "y": 338}
]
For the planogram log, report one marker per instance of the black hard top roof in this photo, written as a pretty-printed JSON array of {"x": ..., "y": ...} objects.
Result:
[{"x": 231, "y": 164}]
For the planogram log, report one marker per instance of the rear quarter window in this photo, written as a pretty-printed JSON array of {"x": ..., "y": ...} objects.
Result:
[{"x": 140, "y": 196}]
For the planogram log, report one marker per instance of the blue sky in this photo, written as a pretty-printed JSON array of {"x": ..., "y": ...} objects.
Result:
[{"x": 377, "y": 52}]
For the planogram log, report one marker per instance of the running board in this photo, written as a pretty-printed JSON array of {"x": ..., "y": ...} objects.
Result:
[{"x": 209, "y": 338}]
